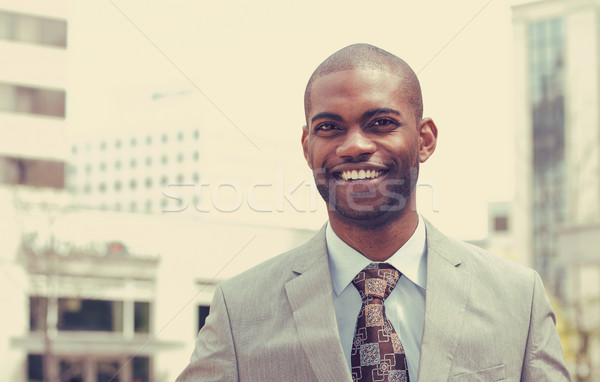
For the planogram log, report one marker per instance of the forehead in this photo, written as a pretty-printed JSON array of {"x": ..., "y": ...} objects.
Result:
[{"x": 350, "y": 90}]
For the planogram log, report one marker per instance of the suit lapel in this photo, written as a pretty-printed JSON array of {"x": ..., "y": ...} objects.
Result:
[
  {"x": 447, "y": 293},
  {"x": 311, "y": 297}
]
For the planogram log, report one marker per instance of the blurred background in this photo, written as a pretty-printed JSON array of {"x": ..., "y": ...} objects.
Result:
[{"x": 150, "y": 150}]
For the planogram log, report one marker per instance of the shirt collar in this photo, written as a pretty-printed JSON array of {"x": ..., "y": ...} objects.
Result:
[{"x": 345, "y": 262}]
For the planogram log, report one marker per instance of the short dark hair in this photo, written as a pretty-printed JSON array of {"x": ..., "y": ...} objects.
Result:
[{"x": 366, "y": 56}]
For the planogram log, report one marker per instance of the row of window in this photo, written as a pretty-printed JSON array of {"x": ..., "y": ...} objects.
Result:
[
  {"x": 133, "y": 142},
  {"x": 32, "y": 172},
  {"x": 118, "y": 185},
  {"x": 32, "y": 100},
  {"x": 76, "y": 314},
  {"x": 74, "y": 369},
  {"x": 133, "y": 163},
  {"x": 33, "y": 29}
]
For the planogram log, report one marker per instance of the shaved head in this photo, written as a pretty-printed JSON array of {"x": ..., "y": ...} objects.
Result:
[{"x": 369, "y": 57}]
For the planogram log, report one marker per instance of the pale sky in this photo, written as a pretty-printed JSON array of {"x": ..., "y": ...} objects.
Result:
[{"x": 252, "y": 60}]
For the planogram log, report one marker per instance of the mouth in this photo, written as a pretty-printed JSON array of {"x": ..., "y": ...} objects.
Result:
[{"x": 358, "y": 174}]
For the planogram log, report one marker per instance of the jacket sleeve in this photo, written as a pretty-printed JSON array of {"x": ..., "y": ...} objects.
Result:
[
  {"x": 543, "y": 354},
  {"x": 214, "y": 357}
]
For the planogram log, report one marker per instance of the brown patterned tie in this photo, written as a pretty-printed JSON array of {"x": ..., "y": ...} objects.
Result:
[{"x": 377, "y": 353}]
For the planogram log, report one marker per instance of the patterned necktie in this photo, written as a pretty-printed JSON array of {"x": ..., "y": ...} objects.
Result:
[{"x": 377, "y": 353}]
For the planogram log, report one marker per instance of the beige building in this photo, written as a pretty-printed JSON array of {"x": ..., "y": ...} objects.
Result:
[{"x": 557, "y": 211}]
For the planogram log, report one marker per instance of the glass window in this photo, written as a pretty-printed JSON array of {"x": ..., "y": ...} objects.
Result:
[
  {"x": 108, "y": 371},
  {"x": 30, "y": 100},
  {"x": 141, "y": 369},
  {"x": 501, "y": 223},
  {"x": 33, "y": 29},
  {"x": 72, "y": 370},
  {"x": 203, "y": 312},
  {"x": 141, "y": 317},
  {"x": 35, "y": 368},
  {"x": 37, "y": 313},
  {"x": 32, "y": 172},
  {"x": 90, "y": 315}
]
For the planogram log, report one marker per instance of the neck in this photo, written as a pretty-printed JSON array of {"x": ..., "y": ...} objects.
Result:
[{"x": 380, "y": 243}]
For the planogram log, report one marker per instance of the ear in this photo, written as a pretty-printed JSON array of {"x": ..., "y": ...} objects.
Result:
[
  {"x": 305, "y": 144},
  {"x": 427, "y": 138}
]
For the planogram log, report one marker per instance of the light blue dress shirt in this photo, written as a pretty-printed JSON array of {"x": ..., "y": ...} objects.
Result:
[{"x": 405, "y": 306}]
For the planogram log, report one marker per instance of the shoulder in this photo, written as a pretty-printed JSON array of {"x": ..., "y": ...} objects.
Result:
[
  {"x": 278, "y": 270},
  {"x": 481, "y": 264}
]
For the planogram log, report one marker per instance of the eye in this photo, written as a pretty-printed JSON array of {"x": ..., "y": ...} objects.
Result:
[
  {"x": 383, "y": 122},
  {"x": 327, "y": 128}
]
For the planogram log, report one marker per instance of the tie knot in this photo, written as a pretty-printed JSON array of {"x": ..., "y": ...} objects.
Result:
[{"x": 376, "y": 281}]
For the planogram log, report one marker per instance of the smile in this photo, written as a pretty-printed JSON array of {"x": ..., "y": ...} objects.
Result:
[{"x": 359, "y": 174}]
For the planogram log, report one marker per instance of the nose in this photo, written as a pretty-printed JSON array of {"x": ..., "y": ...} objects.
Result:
[{"x": 355, "y": 145}]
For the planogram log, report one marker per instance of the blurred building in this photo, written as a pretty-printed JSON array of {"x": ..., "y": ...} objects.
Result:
[
  {"x": 33, "y": 46},
  {"x": 557, "y": 53}
]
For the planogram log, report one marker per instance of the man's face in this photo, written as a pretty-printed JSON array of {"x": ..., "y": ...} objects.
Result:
[{"x": 362, "y": 143}]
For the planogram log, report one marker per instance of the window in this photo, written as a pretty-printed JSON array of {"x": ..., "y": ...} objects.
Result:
[
  {"x": 35, "y": 368},
  {"x": 141, "y": 369},
  {"x": 30, "y": 100},
  {"x": 500, "y": 223},
  {"x": 90, "y": 315},
  {"x": 75, "y": 368},
  {"x": 108, "y": 371},
  {"x": 32, "y": 172},
  {"x": 202, "y": 314},
  {"x": 33, "y": 29},
  {"x": 37, "y": 313},
  {"x": 141, "y": 323}
]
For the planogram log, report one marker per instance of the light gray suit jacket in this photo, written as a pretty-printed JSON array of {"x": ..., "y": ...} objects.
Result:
[{"x": 486, "y": 319}]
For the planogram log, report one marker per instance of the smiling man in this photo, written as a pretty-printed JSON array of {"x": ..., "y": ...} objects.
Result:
[{"x": 378, "y": 294}]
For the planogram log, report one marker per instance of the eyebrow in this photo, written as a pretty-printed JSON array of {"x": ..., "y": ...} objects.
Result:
[
  {"x": 327, "y": 115},
  {"x": 382, "y": 110},
  {"x": 366, "y": 115}
]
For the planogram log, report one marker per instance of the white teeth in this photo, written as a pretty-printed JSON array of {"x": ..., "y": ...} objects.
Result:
[{"x": 360, "y": 174}]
